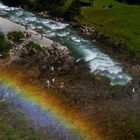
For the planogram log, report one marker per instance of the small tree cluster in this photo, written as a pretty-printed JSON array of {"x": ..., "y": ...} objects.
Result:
[
  {"x": 33, "y": 47},
  {"x": 16, "y": 36},
  {"x": 4, "y": 45}
]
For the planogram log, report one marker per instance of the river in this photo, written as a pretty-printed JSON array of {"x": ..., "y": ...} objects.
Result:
[{"x": 98, "y": 62}]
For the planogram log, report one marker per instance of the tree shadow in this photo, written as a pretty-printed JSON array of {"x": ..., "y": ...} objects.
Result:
[{"x": 85, "y": 3}]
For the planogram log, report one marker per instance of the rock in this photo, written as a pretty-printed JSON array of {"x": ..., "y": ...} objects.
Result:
[{"x": 54, "y": 55}]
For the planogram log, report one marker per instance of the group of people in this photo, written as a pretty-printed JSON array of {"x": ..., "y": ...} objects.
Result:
[
  {"x": 28, "y": 34},
  {"x": 52, "y": 82}
]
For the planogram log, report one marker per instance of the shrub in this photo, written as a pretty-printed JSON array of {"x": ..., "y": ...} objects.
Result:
[
  {"x": 33, "y": 47},
  {"x": 130, "y": 1},
  {"x": 4, "y": 45},
  {"x": 16, "y": 36},
  {"x": 110, "y": 6},
  {"x": 73, "y": 10}
]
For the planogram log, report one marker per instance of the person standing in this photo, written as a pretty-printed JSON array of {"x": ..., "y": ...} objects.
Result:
[
  {"x": 42, "y": 37},
  {"x": 130, "y": 89},
  {"x": 52, "y": 70},
  {"x": 48, "y": 84},
  {"x": 62, "y": 85}
]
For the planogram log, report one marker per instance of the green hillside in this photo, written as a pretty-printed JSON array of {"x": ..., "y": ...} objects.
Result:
[{"x": 118, "y": 21}]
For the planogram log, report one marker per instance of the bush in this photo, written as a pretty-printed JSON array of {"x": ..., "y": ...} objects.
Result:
[
  {"x": 130, "y": 1},
  {"x": 16, "y": 36},
  {"x": 4, "y": 45},
  {"x": 33, "y": 47},
  {"x": 110, "y": 6},
  {"x": 73, "y": 10}
]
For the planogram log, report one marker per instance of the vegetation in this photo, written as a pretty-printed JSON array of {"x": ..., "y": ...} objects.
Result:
[
  {"x": 117, "y": 21},
  {"x": 33, "y": 47},
  {"x": 55, "y": 7},
  {"x": 16, "y": 36},
  {"x": 130, "y": 1},
  {"x": 4, "y": 45}
]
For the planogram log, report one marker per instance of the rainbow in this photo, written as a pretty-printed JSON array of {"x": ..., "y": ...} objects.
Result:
[{"x": 31, "y": 92}]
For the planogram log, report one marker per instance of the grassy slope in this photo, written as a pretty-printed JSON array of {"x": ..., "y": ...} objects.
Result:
[{"x": 121, "y": 22}]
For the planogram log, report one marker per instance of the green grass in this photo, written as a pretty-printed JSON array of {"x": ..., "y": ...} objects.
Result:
[{"x": 121, "y": 23}]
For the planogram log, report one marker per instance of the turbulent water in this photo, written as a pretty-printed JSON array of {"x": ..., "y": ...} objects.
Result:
[{"x": 82, "y": 48}]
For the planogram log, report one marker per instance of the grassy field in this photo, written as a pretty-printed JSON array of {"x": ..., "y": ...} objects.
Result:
[{"x": 118, "y": 21}]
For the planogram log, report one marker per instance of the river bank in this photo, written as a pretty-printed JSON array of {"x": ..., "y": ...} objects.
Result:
[
  {"x": 121, "y": 52},
  {"x": 54, "y": 27},
  {"x": 51, "y": 53}
]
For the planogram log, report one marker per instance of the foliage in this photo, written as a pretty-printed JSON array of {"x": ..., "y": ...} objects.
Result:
[
  {"x": 4, "y": 45},
  {"x": 130, "y": 1},
  {"x": 16, "y": 36},
  {"x": 110, "y": 6},
  {"x": 55, "y": 7},
  {"x": 73, "y": 10},
  {"x": 33, "y": 47}
]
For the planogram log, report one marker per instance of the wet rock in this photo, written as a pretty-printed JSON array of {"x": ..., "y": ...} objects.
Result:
[{"x": 89, "y": 31}]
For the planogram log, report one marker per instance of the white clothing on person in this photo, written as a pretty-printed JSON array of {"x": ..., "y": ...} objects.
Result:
[
  {"x": 48, "y": 84},
  {"x": 52, "y": 69},
  {"x": 133, "y": 90}
]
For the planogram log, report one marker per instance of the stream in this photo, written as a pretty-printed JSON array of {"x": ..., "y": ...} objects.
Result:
[{"x": 81, "y": 48}]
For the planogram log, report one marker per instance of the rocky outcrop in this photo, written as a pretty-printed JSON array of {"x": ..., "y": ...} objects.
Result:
[
  {"x": 54, "y": 55},
  {"x": 46, "y": 14}
]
